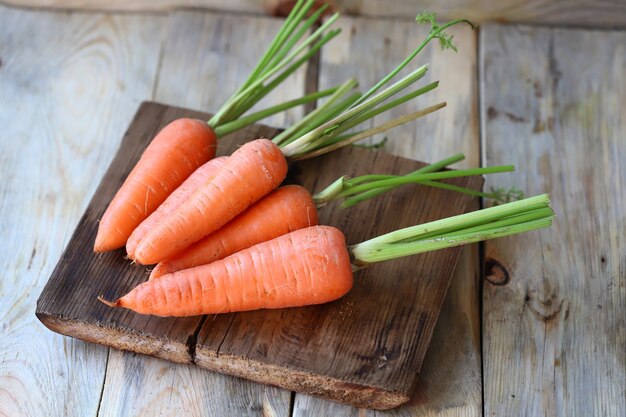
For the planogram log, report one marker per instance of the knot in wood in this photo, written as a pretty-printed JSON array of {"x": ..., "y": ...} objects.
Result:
[{"x": 495, "y": 272}]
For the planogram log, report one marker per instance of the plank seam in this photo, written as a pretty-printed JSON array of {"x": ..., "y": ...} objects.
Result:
[
  {"x": 82, "y": 10},
  {"x": 481, "y": 246},
  {"x": 192, "y": 341},
  {"x": 104, "y": 380},
  {"x": 292, "y": 403},
  {"x": 311, "y": 78}
]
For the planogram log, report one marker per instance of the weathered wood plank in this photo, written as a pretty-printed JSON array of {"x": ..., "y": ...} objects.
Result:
[
  {"x": 554, "y": 301},
  {"x": 451, "y": 130},
  {"x": 143, "y": 385},
  {"x": 204, "y": 58},
  {"x": 70, "y": 83},
  {"x": 608, "y": 13}
]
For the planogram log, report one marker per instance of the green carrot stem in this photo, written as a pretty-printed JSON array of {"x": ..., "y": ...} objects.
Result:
[
  {"x": 325, "y": 115},
  {"x": 336, "y": 96},
  {"x": 353, "y": 200},
  {"x": 477, "y": 226},
  {"x": 276, "y": 44},
  {"x": 396, "y": 180},
  {"x": 436, "y": 166},
  {"x": 307, "y": 141},
  {"x": 511, "y": 218},
  {"x": 287, "y": 28},
  {"x": 229, "y": 127},
  {"x": 296, "y": 155},
  {"x": 255, "y": 96},
  {"x": 366, "y": 255},
  {"x": 508, "y": 221},
  {"x": 349, "y": 202},
  {"x": 349, "y": 124},
  {"x": 295, "y": 38},
  {"x": 464, "y": 220},
  {"x": 331, "y": 192},
  {"x": 232, "y": 104},
  {"x": 266, "y": 75}
]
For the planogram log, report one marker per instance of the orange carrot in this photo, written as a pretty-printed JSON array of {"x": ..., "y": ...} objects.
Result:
[
  {"x": 287, "y": 209},
  {"x": 176, "y": 151},
  {"x": 186, "y": 144},
  {"x": 250, "y": 173},
  {"x": 182, "y": 193},
  {"x": 314, "y": 266},
  {"x": 308, "y": 266},
  {"x": 292, "y": 207}
]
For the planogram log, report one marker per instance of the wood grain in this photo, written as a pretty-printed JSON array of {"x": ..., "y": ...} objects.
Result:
[
  {"x": 608, "y": 13},
  {"x": 205, "y": 56},
  {"x": 365, "y": 348},
  {"x": 554, "y": 301},
  {"x": 448, "y": 131},
  {"x": 139, "y": 385},
  {"x": 70, "y": 83}
]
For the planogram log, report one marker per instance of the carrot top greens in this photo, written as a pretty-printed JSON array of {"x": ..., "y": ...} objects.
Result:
[
  {"x": 355, "y": 190},
  {"x": 329, "y": 126},
  {"x": 287, "y": 52}
]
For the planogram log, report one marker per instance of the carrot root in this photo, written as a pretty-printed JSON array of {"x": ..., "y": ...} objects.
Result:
[
  {"x": 305, "y": 267},
  {"x": 289, "y": 208},
  {"x": 115, "y": 303},
  {"x": 200, "y": 176},
  {"x": 174, "y": 153}
]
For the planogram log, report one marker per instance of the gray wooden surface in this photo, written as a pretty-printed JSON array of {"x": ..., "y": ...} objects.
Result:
[
  {"x": 554, "y": 336},
  {"x": 550, "y": 333},
  {"x": 589, "y": 13}
]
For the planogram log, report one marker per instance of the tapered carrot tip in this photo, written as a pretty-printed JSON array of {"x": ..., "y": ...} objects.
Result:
[
  {"x": 170, "y": 158},
  {"x": 115, "y": 303}
]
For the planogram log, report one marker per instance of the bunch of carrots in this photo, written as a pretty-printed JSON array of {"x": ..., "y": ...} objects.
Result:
[{"x": 223, "y": 233}]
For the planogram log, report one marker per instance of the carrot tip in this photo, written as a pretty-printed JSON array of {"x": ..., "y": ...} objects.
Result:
[{"x": 109, "y": 303}]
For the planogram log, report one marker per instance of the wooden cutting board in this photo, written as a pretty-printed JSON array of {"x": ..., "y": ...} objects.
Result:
[{"x": 365, "y": 349}]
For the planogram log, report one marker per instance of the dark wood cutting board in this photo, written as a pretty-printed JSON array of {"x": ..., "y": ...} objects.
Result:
[{"x": 365, "y": 349}]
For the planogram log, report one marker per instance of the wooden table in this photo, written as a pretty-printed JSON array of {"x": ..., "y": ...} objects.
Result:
[{"x": 533, "y": 325}]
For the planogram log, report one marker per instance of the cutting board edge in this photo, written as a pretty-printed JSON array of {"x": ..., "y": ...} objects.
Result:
[
  {"x": 328, "y": 388},
  {"x": 116, "y": 338}
]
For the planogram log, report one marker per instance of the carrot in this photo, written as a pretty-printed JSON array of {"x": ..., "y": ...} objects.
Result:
[
  {"x": 189, "y": 141},
  {"x": 308, "y": 266},
  {"x": 171, "y": 203},
  {"x": 314, "y": 266},
  {"x": 251, "y": 172},
  {"x": 285, "y": 210},
  {"x": 292, "y": 207},
  {"x": 186, "y": 144},
  {"x": 323, "y": 130}
]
